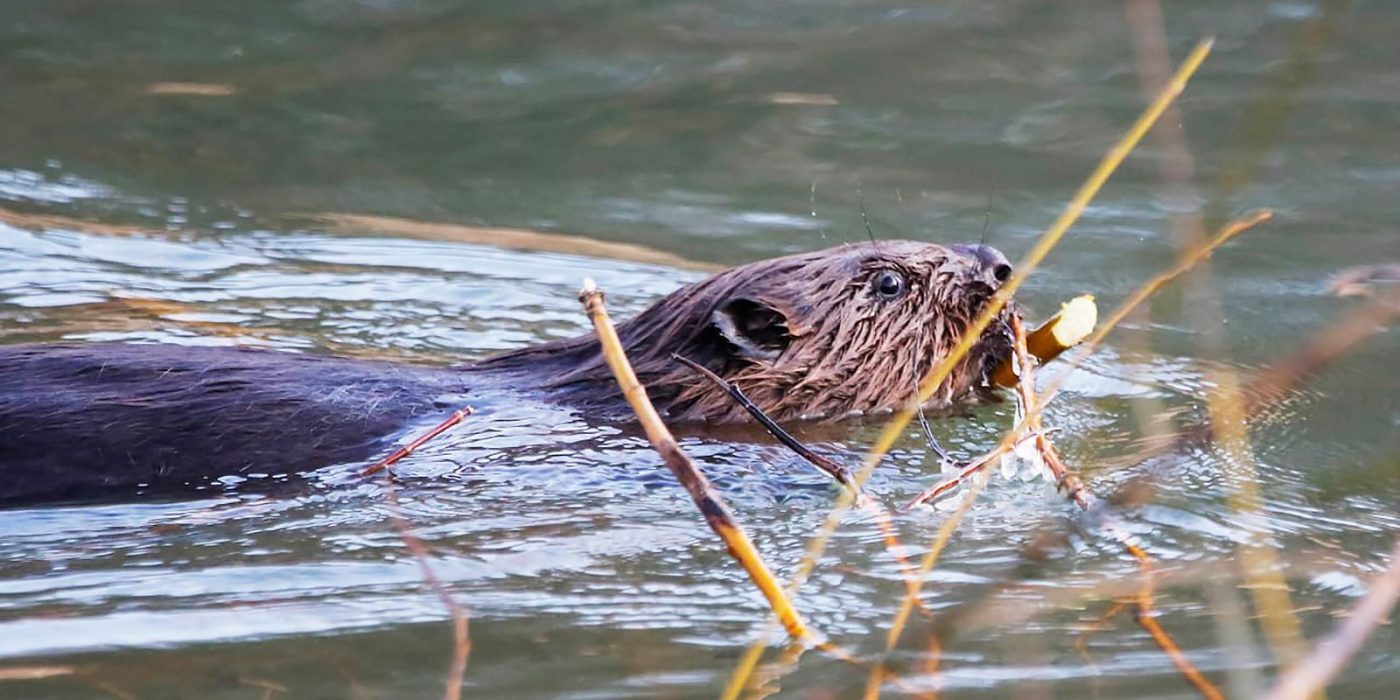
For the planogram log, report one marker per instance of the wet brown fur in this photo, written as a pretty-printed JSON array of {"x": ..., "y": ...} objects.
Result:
[{"x": 805, "y": 336}]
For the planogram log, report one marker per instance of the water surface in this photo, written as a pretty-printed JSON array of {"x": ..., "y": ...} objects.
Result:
[{"x": 161, "y": 173}]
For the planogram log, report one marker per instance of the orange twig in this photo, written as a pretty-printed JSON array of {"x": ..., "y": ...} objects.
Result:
[
  {"x": 1081, "y": 643},
  {"x": 1146, "y": 618},
  {"x": 461, "y": 637},
  {"x": 717, "y": 514},
  {"x": 417, "y": 442},
  {"x": 1074, "y": 489}
]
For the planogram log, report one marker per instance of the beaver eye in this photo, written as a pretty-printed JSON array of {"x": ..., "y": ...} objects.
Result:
[{"x": 889, "y": 284}]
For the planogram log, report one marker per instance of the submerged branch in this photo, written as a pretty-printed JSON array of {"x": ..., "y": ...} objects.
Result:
[{"x": 461, "y": 636}]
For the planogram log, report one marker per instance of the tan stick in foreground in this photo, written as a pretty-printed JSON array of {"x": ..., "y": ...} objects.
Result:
[
  {"x": 717, "y": 514},
  {"x": 1309, "y": 676}
]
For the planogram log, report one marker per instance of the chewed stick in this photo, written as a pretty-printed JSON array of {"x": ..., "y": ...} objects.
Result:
[
  {"x": 711, "y": 505},
  {"x": 1067, "y": 328}
]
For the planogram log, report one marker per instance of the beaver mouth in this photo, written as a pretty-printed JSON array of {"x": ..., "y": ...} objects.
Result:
[
  {"x": 996, "y": 347},
  {"x": 998, "y": 342}
]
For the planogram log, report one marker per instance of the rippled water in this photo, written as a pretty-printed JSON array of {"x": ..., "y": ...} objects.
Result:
[{"x": 162, "y": 176}]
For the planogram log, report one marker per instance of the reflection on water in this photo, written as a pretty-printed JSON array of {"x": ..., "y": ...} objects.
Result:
[{"x": 161, "y": 175}]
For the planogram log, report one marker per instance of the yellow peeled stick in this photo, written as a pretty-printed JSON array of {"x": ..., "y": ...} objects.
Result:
[{"x": 1066, "y": 329}]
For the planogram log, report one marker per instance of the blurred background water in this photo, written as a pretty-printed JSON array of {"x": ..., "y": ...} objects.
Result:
[{"x": 201, "y": 173}]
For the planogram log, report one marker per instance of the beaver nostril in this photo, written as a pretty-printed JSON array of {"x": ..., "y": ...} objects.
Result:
[{"x": 1002, "y": 272}]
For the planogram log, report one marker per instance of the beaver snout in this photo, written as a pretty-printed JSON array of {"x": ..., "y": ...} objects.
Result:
[{"x": 989, "y": 266}]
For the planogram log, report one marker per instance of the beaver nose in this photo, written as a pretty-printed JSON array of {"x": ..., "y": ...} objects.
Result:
[{"x": 992, "y": 265}]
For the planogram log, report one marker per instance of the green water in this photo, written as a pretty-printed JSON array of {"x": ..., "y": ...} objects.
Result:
[{"x": 719, "y": 133}]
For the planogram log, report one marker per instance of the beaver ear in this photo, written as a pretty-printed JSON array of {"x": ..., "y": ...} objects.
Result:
[{"x": 757, "y": 330}]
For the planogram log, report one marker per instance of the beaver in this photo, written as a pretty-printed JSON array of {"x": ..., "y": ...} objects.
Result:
[{"x": 813, "y": 336}]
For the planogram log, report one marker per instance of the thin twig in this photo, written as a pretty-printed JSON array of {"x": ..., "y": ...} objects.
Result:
[
  {"x": 1069, "y": 483},
  {"x": 831, "y": 468},
  {"x": 967, "y": 471},
  {"x": 1081, "y": 642},
  {"x": 461, "y": 637},
  {"x": 417, "y": 442},
  {"x": 1146, "y": 618},
  {"x": 929, "y": 437},
  {"x": 914, "y": 380},
  {"x": 1272, "y": 384}
]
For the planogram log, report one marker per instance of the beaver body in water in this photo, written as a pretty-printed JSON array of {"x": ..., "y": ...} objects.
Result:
[{"x": 811, "y": 336}]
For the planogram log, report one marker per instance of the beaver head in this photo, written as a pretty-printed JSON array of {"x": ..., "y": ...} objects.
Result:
[{"x": 820, "y": 335}]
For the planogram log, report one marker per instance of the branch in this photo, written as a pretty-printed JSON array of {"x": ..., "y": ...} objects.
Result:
[
  {"x": 712, "y": 506},
  {"x": 1311, "y": 675}
]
